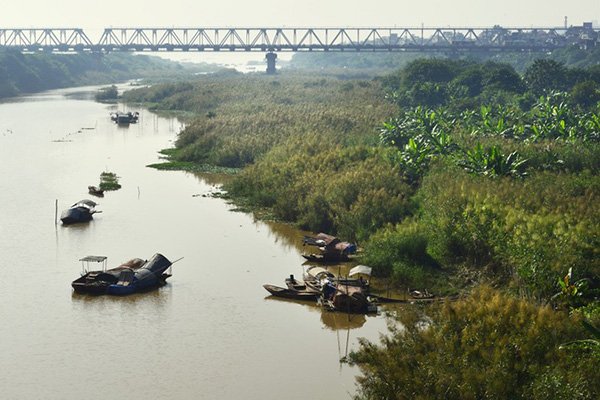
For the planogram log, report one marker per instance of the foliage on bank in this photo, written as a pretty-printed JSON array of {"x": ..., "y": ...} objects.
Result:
[
  {"x": 381, "y": 62},
  {"x": 466, "y": 174},
  {"x": 489, "y": 345},
  {"x": 421, "y": 182},
  {"x": 28, "y": 73},
  {"x": 240, "y": 118}
]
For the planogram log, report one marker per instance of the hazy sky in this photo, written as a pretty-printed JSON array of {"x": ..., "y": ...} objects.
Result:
[{"x": 270, "y": 13}]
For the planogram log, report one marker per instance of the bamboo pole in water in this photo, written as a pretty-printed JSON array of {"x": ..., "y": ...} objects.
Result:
[{"x": 55, "y": 212}]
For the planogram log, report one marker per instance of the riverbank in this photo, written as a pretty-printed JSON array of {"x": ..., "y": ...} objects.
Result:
[
  {"x": 432, "y": 170},
  {"x": 489, "y": 181},
  {"x": 326, "y": 154},
  {"x": 31, "y": 73}
]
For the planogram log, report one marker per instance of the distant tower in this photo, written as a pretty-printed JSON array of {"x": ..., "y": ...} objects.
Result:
[{"x": 566, "y": 26}]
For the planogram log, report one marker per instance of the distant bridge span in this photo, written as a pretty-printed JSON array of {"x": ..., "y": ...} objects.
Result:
[{"x": 419, "y": 39}]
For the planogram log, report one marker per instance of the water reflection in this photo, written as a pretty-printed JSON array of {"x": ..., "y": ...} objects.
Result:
[
  {"x": 331, "y": 320},
  {"x": 156, "y": 299}
]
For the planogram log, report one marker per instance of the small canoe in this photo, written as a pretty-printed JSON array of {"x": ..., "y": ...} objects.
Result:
[{"x": 287, "y": 293}]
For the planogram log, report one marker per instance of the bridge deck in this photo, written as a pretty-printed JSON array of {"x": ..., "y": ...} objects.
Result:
[{"x": 300, "y": 39}]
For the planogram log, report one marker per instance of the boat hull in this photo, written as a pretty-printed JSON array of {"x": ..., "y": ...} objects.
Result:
[
  {"x": 152, "y": 275},
  {"x": 75, "y": 216},
  {"x": 131, "y": 277},
  {"x": 287, "y": 293},
  {"x": 326, "y": 258}
]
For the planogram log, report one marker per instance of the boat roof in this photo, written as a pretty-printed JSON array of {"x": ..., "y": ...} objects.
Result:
[
  {"x": 321, "y": 239},
  {"x": 89, "y": 203},
  {"x": 315, "y": 272},
  {"x": 93, "y": 258},
  {"x": 360, "y": 269}
]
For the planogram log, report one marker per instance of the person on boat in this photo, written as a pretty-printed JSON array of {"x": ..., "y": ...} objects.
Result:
[{"x": 328, "y": 289}]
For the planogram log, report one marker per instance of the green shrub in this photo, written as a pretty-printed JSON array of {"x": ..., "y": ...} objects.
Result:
[
  {"x": 400, "y": 252},
  {"x": 488, "y": 345}
]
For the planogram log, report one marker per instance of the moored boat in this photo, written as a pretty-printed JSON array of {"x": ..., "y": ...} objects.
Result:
[
  {"x": 82, "y": 211},
  {"x": 294, "y": 294},
  {"x": 98, "y": 281},
  {"x": 342, "y": 294},
  {"x": 331, "y": 248},
  {"x": 136, "y": 275},
  {"x": 326, "y": 257},
  {"x": 95, "y": 191},
  {"x": 124, "y": 118},
  {"x": 151, "y": 275},
  {"x": 346, "y": 298}
]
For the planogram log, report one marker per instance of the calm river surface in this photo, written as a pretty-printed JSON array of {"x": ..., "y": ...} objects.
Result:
[{"x": 211, "y": 333}]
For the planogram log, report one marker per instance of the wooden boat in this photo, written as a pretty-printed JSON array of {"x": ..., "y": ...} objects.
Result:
[
  {"x": 125, "y": 118},
  {"x": 331, "y": 248},
  {"x": 341, "y": 294},
  {"x": 294, "y": 294},
  {"x": 293, "y": 284},
  {"x": 315, "y": 277},
  {"x": 326, "y": 257},
  {"x": 150, "y": 276},
  {"x": 346, "y": 298},
  {"x": 82, "y": 211},
  {"x": 97, "y": 282},
  {"x": 133, "y": 276},
  {"x": 95, "y": 191}
]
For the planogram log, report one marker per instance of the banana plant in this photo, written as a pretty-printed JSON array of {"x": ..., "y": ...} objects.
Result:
[
  {"x": 415, "y": 159},
  {"x": 491, "y": 162}
]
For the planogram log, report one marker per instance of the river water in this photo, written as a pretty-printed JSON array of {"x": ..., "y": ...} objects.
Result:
[{"x": 211, "y": 333}]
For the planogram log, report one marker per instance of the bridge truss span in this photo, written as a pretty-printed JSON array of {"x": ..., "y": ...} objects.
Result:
[
  {"x": 330, "y": 39},
  {"x": 418, "y": 39},
  {"x": 45, "y": 39}
]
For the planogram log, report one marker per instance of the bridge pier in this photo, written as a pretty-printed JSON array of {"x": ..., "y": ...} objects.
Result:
[{"x": 271, "y": 61}]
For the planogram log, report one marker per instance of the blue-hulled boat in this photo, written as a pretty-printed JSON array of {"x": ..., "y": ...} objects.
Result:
[
  {"x": 130, "y": 277},
  {"x": 151, "y": 275},
  {"x": 82, "y": 211}
]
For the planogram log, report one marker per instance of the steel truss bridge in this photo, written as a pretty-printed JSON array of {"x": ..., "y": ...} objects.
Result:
[{"x": 420, "y": 39}]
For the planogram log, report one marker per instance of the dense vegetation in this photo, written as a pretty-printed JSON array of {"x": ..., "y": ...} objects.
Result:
[
  {"x": 109, "y": 93},
  {"x": 27, "y": 73},
  {"x": 572, "y": 56},
  {"x": 450, "y": 174},
  {"x": 488, "y": 346}
]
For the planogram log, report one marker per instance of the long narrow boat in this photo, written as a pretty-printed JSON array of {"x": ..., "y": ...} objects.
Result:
[{"x": 287, "y": 293}]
